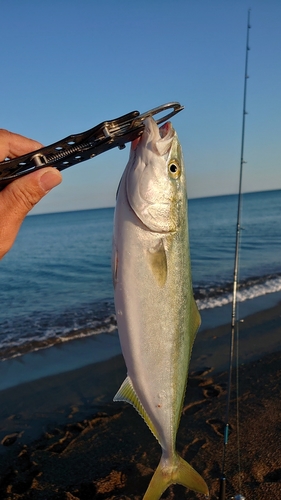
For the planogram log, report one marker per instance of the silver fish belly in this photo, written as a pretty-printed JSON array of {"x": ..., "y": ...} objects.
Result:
[{"x": 156, "y": 313}]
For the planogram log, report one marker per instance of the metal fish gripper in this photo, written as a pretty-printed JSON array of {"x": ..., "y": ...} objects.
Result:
[{"x": 80, "y": 147}]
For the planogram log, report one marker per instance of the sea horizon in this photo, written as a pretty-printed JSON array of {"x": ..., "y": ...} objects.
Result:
[{"x": 189, "y": 199}]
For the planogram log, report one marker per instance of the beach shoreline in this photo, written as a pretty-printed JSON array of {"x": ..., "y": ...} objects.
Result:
[
  {"x": 87, "y": 350},
  {"x": 62, "y": 437}
]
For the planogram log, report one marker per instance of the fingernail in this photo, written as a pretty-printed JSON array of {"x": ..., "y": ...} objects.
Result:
[{"x": 50, "y": 179}]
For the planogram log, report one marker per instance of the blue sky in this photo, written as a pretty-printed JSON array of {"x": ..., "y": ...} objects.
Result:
[{"x": 69, "y": 65}]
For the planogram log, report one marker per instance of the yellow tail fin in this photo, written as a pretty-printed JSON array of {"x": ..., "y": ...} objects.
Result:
[{"x": 179, "y": 472}]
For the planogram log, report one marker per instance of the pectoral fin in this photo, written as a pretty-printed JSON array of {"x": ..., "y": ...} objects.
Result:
[
  {"x": 128, "y": 394},
  {"x": 158, "y": 263}
]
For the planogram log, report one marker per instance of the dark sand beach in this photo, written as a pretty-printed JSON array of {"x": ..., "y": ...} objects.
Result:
[{"x": 63, "y": 438}]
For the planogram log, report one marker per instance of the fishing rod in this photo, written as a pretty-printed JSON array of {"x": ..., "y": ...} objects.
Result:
[{"x": 234, "y": 324}]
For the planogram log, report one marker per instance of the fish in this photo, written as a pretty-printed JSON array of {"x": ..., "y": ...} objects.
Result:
[{"x": 157, "y": 316}]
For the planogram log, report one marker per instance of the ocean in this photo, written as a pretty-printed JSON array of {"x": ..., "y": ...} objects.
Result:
[{"x": 56, "y": 281}]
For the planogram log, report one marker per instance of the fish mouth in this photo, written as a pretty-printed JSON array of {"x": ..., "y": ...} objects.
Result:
[
  {"x": 165, "y": 129},
  {"x": 134, "y": 143}
]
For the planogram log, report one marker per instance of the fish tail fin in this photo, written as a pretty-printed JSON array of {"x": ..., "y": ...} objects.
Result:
[{"x": 179, "y": 472}]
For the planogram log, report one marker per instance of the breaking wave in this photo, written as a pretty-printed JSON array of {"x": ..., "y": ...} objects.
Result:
[
  {"x": 42, "y": 331},
  {"x": 218, "y": 296}
]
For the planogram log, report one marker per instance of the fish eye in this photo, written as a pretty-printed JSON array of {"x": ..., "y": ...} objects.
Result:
[{"x": 174, "y": 169}]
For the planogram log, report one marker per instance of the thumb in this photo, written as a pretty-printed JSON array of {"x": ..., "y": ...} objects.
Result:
[{"x": 18, "y": 198}]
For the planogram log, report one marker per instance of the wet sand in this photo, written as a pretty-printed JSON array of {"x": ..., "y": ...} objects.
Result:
[{"x": 62, "y": 437}]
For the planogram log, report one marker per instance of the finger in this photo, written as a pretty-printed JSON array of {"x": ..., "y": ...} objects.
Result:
[
  {"x": 18, "y": 198},
  {"x": 13, "y": 145}
]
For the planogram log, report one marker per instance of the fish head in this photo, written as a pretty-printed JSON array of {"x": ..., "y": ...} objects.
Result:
[{"x": 155, "y": 178}]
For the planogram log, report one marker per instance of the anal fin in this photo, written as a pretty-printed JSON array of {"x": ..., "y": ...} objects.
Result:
[{"x": 128, "y": 394}]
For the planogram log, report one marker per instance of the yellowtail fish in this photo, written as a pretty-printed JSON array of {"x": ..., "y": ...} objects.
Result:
[{"x": 156, "y": 313}]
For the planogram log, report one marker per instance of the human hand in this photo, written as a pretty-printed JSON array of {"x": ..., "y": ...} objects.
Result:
[{"x": 20, "y": 196}]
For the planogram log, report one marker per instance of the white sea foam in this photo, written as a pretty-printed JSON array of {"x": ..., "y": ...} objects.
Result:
[
  {"x": 256, "y": 290},
  {"x": 18, "y": 347}
]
